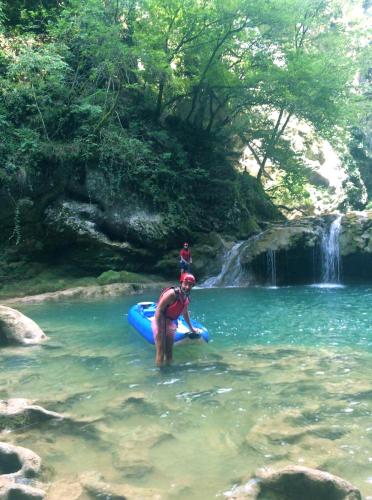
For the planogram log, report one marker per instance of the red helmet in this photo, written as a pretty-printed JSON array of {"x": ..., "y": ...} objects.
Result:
[
  {"x": 189, "y": 278},
  {"x": 185, "y": 244}
]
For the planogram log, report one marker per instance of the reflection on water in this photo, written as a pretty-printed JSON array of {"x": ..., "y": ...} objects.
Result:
[{"x": 285, "y": 380}]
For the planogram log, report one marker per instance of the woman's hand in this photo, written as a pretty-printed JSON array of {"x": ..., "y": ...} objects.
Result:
[{"x": 196, "y": 330}]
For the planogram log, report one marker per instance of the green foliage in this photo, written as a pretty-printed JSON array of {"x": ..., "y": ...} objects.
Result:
[
  {"x": 120, "y": 277},
  {"x": 24, "y": 16},
  {"x": 21, "y": 205},
  {"x": 160, "y": 97},
  {"x": 2, "y": 16},
  {"x": 26, "y": 278},
  {"x": 17, "y": 421},
  {"x": 30, "y": 279}
]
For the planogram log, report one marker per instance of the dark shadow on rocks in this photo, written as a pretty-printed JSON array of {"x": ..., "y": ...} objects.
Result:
[{"x": 9, "y": 463}]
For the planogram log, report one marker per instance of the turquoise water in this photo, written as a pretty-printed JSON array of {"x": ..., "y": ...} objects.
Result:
[{"x": 286, "y": 379}]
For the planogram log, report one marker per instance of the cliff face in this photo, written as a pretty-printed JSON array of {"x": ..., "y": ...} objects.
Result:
[{"x": 84, "y": 223}]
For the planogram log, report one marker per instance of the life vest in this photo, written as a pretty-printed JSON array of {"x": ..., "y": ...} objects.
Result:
[
  {"x": 185, "y": 255},
  {"x": 173, "y": 311}
]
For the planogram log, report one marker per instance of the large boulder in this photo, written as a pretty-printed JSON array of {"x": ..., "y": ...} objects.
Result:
[
  {"x": 296, "y": 253},
  {"x": 16, "y": 328},
  {"x": 83, "y": 234},
  {"x": 304, "y": 231},
  {"x": 290, "y": 247},
  {"x": 294, "y": 483}
]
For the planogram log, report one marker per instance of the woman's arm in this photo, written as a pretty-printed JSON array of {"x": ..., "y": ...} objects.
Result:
[{"x": 186, "y": 315}]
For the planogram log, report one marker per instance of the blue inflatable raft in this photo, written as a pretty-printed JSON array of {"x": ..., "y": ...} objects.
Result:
[{"x": 141, "y": 314}]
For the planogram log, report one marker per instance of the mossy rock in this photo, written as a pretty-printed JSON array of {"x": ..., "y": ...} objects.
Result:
[{"x": 111, "y": 276}]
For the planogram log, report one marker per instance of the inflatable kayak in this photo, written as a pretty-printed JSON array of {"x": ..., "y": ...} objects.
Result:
[{"x": 141, "y": 314}]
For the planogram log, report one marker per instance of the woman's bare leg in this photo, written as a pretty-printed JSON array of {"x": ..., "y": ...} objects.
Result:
[
  {"x": 160, "y": 343},
  {"x": 169, "y": 349}
]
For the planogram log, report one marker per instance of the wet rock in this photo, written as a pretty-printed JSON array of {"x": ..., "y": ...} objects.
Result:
[
  {"x": 291, "y": 434},
  {"x": 134, "y": 469},
  {"x": 18, "y": 412},
  {"x": 145, "y": 438},
  {"x": 10, "y": 490},
  {"x": 18, "y": 462},
  {"x": 133, "y": 403},
  {"x": 132, "y": 457},
  {"x": 294, "y": 483},
  {"x": 16, "y": 328}
]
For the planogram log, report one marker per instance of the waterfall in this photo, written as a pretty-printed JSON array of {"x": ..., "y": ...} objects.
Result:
[
  {"x": 271, "y": 267},
  {"x": 232, "y": 273},
  {"x": 330, "y": 251}
]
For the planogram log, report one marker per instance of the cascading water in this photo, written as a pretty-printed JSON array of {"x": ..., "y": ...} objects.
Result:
[
  {"x": 271, "y": 267},
  {"x": 232, "y": 273},
  {"x": 330, "y": 251}
]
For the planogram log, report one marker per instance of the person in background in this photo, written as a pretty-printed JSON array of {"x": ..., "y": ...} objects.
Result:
[
  {"x": 172, "y": 303},
  {"x": 185, "y": 259}
]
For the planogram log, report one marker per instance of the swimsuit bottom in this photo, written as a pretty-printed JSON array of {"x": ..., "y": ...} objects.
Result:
[{"x": 170, "y": 327}]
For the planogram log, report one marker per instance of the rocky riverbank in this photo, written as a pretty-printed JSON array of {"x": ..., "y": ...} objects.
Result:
[
  {"x": 295, "y": 244},
  {"x": 87, "y": 292}
]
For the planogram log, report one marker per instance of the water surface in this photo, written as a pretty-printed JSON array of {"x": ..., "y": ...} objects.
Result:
[{"x": 286, "y": 379}]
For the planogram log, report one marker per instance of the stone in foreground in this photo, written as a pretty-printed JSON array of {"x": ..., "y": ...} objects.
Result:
[
  {"x": 294, "y": 483},
  {"x": 16, "y": 328},
  {"x": 17, "y": 466}
]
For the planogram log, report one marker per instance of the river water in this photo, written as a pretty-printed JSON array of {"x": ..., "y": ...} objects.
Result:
[{"x": 286, "y": 379}]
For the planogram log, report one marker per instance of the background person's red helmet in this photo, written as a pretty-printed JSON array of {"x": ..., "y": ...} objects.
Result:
[
  {"x": 188, "y": 277},
  {"x": 185, "y": 244}
]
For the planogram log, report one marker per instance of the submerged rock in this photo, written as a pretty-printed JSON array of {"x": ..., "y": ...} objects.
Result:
[
  {"x": 94, "y": 484},
  {"x": 16, "y": 328},
  {"x": 294, "y": 483},
  {"x": 63, "y": 489},
  {"x": 132, "y": 457},
  {"x": 10, "y": 490},
  {"x": 18, "y": 412}
]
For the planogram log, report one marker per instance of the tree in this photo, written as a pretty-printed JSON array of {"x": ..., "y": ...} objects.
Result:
[{"x": 164, "y": 95}]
